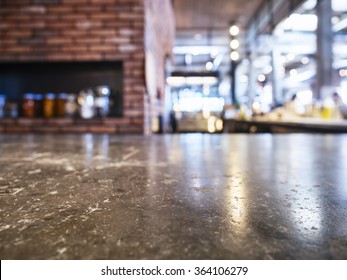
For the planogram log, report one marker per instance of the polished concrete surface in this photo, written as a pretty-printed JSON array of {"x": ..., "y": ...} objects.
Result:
[{"x": 187, "y": 196}]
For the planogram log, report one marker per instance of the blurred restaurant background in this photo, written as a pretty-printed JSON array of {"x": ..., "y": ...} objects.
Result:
[
  {"x": 145, "y": 66},
  {"x": 215, "y": 85}
]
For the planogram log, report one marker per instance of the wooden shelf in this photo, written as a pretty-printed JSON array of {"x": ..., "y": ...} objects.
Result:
[{"x": 69, "y": 125}]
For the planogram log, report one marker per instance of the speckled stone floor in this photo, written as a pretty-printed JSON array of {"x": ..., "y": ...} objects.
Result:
[{"x": 187, "y": 196}]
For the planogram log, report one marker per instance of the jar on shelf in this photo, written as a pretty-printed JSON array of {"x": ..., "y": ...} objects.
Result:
[
  {"x": 71, "y": 105},
  {"x": 49, "y": 105},
  {"x": 61, "y": 102},
  {"x": 2, "y": 105},
  {"x": 11, "y": 110},
  {"x": 102, "y": 95},
  {"x": 86, "y": 103},
  {"x": 28, "y": 105},
  {"x": 38, "y": 103}
]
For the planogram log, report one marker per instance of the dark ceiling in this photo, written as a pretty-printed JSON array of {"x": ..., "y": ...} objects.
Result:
[{"x": 215, "y": 14}]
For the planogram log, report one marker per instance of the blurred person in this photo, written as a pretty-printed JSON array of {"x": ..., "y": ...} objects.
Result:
[
  {"x": 295, "y": 106},
  {"x": 338, "y": 102},
  {"x": 173, "y": 121},
  {"x": 337, "y": 99}
]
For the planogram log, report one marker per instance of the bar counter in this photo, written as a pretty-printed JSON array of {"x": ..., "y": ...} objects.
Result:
[
  {"x": 189, "y": 196},
  {"x": 293, "y": 125}
]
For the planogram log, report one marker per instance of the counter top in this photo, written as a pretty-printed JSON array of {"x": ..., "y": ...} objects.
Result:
[
  {"x": 189, "y": 196},
  {"x": 288, "y": 125},
  {"x": 306, "y": 120}
]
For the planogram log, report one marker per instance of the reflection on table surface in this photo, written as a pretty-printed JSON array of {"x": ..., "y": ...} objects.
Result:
[{"x": 190, "y": 196}]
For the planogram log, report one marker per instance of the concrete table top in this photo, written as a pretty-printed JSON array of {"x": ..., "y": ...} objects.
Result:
[{"x": 188, "y": 196}]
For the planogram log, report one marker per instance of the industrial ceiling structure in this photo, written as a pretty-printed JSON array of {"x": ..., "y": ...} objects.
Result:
[
  {"x": 217, "y": 14},
  {"x": 202, "y": 31}
]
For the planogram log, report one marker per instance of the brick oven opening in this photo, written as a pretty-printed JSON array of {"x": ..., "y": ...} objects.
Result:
[{"x": 18, "y": 78}]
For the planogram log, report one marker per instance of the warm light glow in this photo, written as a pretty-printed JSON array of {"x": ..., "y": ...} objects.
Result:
[
  {"x": 256, "y": 106},
  {"x": 261, "y": 78},
  {"x": 206, "y": 114},
  {"x": 209, "y": 66},
  {"x": 105, "y": 91},
  {"x": 201, "y": 80},
  {"x": 211, "y": 124},
  {"x": 291, "y": 56},
  {"x": 234, "y": 30},
  {"x": 343, "y": 72},
  {"x": 305, "y": 60},
  {"x": 282, "y": 72},
  {"x": 234, "y": 44},
  {"x": 335, "y": 20},
  {"x": 268, "y": 69},
  {"x": 178, "y": 81},
  {"x": 176, "y": 108},
  {"x": 205, "y": 105},
  {"x": 219, "y": 125},
  {"x": 293, "y": 72},
  {"x": 200, "y": 50},
  {"x": 234, "y": 56}
]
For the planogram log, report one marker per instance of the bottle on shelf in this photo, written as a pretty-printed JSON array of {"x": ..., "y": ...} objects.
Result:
[
  {"x": 71, "y": 105},
  {"x": 2, "y": 105},
  {"x": 49, "y": 105},
  {"x": 86, "y": 103},
  {"x": 28, "y": 105},
  {"x": 60, "y": 104}
]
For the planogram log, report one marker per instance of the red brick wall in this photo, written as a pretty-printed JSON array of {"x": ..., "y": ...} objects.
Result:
[{"x": 81, "y": 30}]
